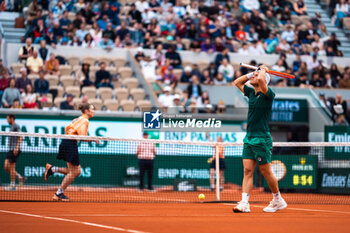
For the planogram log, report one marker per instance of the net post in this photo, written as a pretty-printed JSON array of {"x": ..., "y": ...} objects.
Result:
[{"x": 217, "y": 172}]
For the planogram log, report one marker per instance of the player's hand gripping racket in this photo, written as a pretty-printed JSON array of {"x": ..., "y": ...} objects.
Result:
[{"x": 276, "y": 73}]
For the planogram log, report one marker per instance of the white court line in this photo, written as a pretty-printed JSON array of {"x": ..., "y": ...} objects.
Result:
[
  {"x": 311, "y": 210},
  {"x": 158, "y": 199},
  {"x": 144, "y": 215},
  {"x": 73, "y": 221}
]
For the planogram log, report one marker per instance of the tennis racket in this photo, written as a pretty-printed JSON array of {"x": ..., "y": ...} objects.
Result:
[{"x": 272, "y": 72}]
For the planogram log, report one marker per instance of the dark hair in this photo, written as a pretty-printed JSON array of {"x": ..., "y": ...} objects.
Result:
[
  {"x": 84, "y": 106},
  {"x": 11, "y": 80},
  {"x": 11, "y": 116}
]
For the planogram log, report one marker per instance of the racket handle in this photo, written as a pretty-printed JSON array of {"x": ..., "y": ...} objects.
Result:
[{"x": 248, "y": 66}]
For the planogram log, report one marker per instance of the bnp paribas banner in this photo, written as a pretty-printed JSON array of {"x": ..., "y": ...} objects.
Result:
[
  {"x": 337, "y": 134},
  {"x": 115, "y": 128}
]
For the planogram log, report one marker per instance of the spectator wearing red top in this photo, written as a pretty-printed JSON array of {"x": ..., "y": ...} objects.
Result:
[
  {"x": 4, "y": 82},
  {"x": 241, "y": 34}
]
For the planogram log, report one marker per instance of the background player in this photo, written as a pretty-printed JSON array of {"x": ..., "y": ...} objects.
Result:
[
  {"x": 68, "y": 151},
  {"x": 258, "y": 142},
  {"x": 13, "y": 154}
]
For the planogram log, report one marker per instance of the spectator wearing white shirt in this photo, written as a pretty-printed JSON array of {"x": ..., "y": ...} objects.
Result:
[
  {"x": 226, "y": 69},
  {"x": 244, "y": 50},
  {"x": 176, "y": 106},
  {"x": 149, "y": 67},
  {"x": 165, "y": 5},
  {"x": 179, "y": 9},
  {"x": 166, "y": 99},
  {"x": 288, "y": 35},
  {"x": 313, "y": 63},
  {"x": 148, "y": 15},
  {"x": 256, "y": 49},
  {"x": 141, "y": 5}
]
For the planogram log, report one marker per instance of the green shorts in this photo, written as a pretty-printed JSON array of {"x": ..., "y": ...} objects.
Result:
[{"x": 257, "y": 148}]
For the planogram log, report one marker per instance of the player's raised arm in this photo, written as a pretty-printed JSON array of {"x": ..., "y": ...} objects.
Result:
[
  {"x": 239, "y": 82},
  {"x": 262, "y": 79}
]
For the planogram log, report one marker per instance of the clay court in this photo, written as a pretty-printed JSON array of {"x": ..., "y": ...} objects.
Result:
[{"x": 189, "y": 216}]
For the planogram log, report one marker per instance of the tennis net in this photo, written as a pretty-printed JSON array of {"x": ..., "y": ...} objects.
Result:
[{"x": 111, "y": 171}]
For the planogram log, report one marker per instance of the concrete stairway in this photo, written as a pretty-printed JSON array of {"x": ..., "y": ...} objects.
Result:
[
  {"x": 314, "y": 7},
  {"x": 11, "y": 34}
]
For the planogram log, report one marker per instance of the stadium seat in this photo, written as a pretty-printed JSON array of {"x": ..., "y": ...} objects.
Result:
[
  {"x": 33, "y": 77},
  {"x": 47, "y": 104},
  {"x": 16, "y": 68},
  {"x": 89, "y": 60},
  {"x": 236, "y": 66},
  {"x": 127, "y": 105},
  {"x": 53, "y": 79},
  {"x": 111, "y": 105},
  {"x": 67, "y": 80},
  {"x": 97, "y": 103},
  {"x": 177, "y": 73},
  {"x": 65, "y": 69},
  {"x": 90, "y": 92},
  {"x": 186, "y": 42},
  {"x": 76, "y": 68},
  {"x": 346, "y": 23},
  {"x": 121, "y": 93},
  {"x": 296, "y": 19},
  {"x": 117, "y": 83},
  {"x": 144, "y": 105},
  {"x": 131, "y": 83},
  {"x": 71, "y": 16},
  {"x": 105, "y": 93},
  {"x": 92, "y": 76},
  {"x": 137, "y": 94},
  {"x": 60, "y": 90},
  {"x": 125, "y": 72},
  {"x": 74, "y": 90},
  {"x": 119, "y": 62},
  {"x": 305, "y": 19},
  {"x": 106, "y": 60},
  {"x": 187, "y": 63},
  {"x": 202, "y": 65},
  {"x": 58, "y": 101},
  {"x": 73, "y": 60},
  {"x": 112, "y": 70},
  {"x": 77, "y": 102}
]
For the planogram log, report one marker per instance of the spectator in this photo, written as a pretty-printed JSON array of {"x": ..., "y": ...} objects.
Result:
[
  {"x": 313, "y": 63},
  {"x": 316, "y": 20},
  {"x": 52, "y": 66},
  {"x": 271, "y": 43},
  {"x": 341, "y": 11},
  {"x": 158, "y": 55},
  {"x": 140, "y": 54},
  {"x": 207, "y": 79},
  {"x": 202, "y": 101},
  {"x": 103, "y": 77},
  {"x": 317, "y": 43},
  {"x": 286, "y": 15},
  {"x": 106, "y": 43},
  {"x": 122, "y": 31},
  {"x": 333, "y": 42},
  {"x": 244, "y": 50},
  {"x": 16, "y": 104},
  {"x": 256, "y": 49},
  {"x": 96, "y": 33},
  {"x": 192, "y": 107},
  {"x": 316, "y": 81},
  {"x": 88, "y": 13},
  {"x": 29, "y": 97},
  {"x": 226, "y": 69},
  {"x": 68, "y": 103},
  {"x": 283, "y": 46},
  {"x": 168, "y": 77},
  {"x": 288, "y": 35},
  {"x": 207, "y": 46},
  {"x": 148, "y": 67},
  {"x": 302, "y": 81},
  {"x": 300, "y": 7},
  {"x": 345, "y": 81},
  {"x": 252, "y": 35},
  {"x": 186, "y": 74},
  {"x": 88, "y": 41},
  {"x": 10, "y": 94},
  {"x": 329, "y": 82},
  {"x": 64, "y": 21},
  {"x": 43, "y": 51},
  {"x": 335, "y": 74},
  {"x": 279, "y": 66},
  {"x": 241, "y": 34},
  {"x": 220, "y": 108},
  {"x": 134, "y": 14},
  {"x": 339, "y": 107},
  {"x": 41, "y": 86},
  {"x": 81, "y": 33},
  {"x": 22, "y": 82},
  {"x": 166, "y": 99},
  {"x": 194, "y": 89},
  {"x": 137, "y": 34},
  {"x": 34, "y": 63},
  {"x": 3, "y": 69},
  {"x": 103, "y": 22},
  {"x": 26, "y": 50},
  {"x": 272, "y": 22},
  {"x": 4, "y": 82},
  {"x": 110, "y": 32},
  {"x": 174, "y": 58},
  {"x": 176, "y": 106},
  {"x": 219, "y": 79},
  {"x": 221, "y": 56},
  {"x": 39, "y": 31},
  {"x": 83, "y": 76}
]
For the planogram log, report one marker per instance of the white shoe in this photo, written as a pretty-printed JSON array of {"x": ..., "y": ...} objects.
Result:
[
  {"x": 10, "y": 188},
  {"x": 275, "y": 205},
  {"x": 242, "y": 207}
]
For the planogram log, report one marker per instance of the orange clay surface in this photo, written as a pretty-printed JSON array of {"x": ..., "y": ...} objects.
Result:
[{"x": 45, "y": 217}]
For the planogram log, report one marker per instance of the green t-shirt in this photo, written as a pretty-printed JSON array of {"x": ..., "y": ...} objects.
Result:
[{"x": 259, "y": 112}]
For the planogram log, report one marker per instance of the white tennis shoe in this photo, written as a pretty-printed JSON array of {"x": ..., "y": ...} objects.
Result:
[
  {"x": 242, "y": 207},
  {"x": 275, "y": 205}
]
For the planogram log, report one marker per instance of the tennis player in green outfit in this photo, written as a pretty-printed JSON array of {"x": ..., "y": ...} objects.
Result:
[{"x": 257, "y": 142}]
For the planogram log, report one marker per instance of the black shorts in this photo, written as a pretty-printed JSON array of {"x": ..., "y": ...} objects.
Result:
[
  {"x": 222, "y": 165},
  {"x": 11, "y": 157},
  {"x": 68, "y": 151}
]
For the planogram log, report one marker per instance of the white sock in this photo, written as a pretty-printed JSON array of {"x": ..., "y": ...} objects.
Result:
[
  {"x": 54, "y": 169},
  {"x": 19, "y": 176},
  {"x": 245, "y": 197},
  {"x": 13, "y": 183},
  {"x": 277, "y": 196},
  {"x": 59, "y": 191},
  {"x": 212, "y": 186}
]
